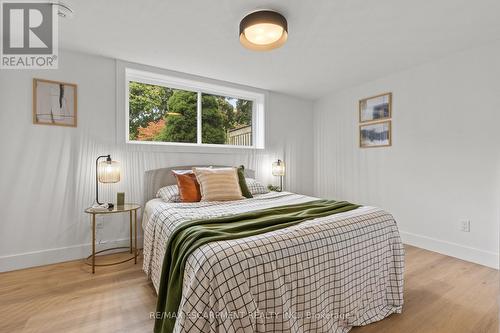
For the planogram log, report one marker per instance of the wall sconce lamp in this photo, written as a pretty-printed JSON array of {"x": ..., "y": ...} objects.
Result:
[
  {"x": 279, "y": 170},
  {"x": 106, "y": 172}
]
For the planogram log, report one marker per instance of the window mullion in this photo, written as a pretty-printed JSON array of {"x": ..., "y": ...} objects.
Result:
[{"x": 198, "y": 118}]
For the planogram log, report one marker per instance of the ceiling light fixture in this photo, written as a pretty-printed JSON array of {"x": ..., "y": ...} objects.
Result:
[{"x": 263, "y": 30}]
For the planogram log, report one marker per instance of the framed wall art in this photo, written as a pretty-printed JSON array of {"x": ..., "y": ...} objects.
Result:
[
  {"x": 375, "y": 108},
  {"x": 375, "y": 134},
  {"x": 54, "y": 103}
]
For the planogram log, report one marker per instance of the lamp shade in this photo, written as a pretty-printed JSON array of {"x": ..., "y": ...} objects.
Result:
[
  {"x": 279, "y": 168},
  {"x": 109, "y": 172}
]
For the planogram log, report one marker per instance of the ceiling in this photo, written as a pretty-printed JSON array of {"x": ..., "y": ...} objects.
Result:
[{"x": 331, "y": 44}]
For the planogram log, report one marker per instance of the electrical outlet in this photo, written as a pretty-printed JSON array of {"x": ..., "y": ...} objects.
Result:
[
  {"x": 465, "y": 225},
  {"x": 99, "y": 225}
]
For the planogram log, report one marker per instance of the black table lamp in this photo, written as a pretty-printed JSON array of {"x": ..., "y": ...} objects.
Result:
[{"x": 106, "y": 172}]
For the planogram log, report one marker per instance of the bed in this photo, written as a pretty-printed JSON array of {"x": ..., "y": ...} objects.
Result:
[{"x": 322, "y": 275}]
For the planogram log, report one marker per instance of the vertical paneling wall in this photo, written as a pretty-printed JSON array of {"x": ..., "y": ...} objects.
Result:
[
  {"x": 444, "y": 164},
  {"x": 47, "y": 172}
]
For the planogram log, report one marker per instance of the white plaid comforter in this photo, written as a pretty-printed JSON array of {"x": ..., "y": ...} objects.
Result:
[{"x": 322, "y": 275}]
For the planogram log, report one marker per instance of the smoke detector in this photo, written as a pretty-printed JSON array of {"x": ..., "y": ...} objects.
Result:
[{"x": 64, "y": 10}]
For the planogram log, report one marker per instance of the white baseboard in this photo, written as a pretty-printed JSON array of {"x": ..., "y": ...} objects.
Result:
[
  {"x": 486, "y": 258},
  {"x": 57, "y": 255}
]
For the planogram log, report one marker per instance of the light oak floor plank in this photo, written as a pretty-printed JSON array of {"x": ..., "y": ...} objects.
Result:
[{"x": 442, "y": 295}]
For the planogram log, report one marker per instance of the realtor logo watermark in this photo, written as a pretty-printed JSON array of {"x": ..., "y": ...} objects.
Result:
[{"x": 29, "y": 38}]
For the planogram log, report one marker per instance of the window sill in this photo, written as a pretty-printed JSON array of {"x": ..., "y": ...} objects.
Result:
[{"x": 188, "y": 147}]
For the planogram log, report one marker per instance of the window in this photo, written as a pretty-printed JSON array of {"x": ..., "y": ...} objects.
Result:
[
  {"x": 152, "y": 106},
  {"x": 168, "y": 110},
  {"x": 226, "y": 120}
]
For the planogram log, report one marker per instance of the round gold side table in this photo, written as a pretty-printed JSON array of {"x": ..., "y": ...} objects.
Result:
[{"x": 129, "y": 207}]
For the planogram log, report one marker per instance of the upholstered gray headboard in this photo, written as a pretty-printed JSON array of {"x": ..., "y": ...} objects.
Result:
[{"x": 158, "y": 178}]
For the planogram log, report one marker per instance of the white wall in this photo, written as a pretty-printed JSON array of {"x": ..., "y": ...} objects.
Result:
[
  {"x": 444, "y": 165},
  {"x": 46, "y": 173}
]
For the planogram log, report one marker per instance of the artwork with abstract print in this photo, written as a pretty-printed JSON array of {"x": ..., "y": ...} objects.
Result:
[
  {"x": 375, "y": 108},
  {"x": 375, "y": 135},
  {"x": 54, "y": 103}
]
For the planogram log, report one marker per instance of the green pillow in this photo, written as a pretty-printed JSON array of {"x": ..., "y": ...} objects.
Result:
[{"x": 243, "y": 183}]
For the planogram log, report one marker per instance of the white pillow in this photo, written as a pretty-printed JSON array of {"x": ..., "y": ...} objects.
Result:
[
  {"x": 169, "y": 193},
  {"x": 255, "y": 187}
]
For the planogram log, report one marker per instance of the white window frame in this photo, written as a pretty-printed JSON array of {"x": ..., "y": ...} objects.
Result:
[{"x": 199, "y": 87}]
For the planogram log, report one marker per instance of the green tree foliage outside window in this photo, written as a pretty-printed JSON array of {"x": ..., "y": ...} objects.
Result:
[
  {"x": 180, "y": 120},
  {"x": 170, "y": 115},
  {"x": 147, "y": 103},
  {"x": 243, "y": 112},
  {"x": 212, "y": 119}
]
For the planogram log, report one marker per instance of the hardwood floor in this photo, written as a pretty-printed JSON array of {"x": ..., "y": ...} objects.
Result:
[
  {"x": 68, "y": 298},
  {"x": 442, "y": 295}
]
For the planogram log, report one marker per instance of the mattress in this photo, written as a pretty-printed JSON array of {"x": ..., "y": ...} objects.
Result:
[{"x": 322, "y": 275}]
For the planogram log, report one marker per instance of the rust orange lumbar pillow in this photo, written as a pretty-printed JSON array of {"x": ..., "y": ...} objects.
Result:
[{"x": 189, "y": 189}]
